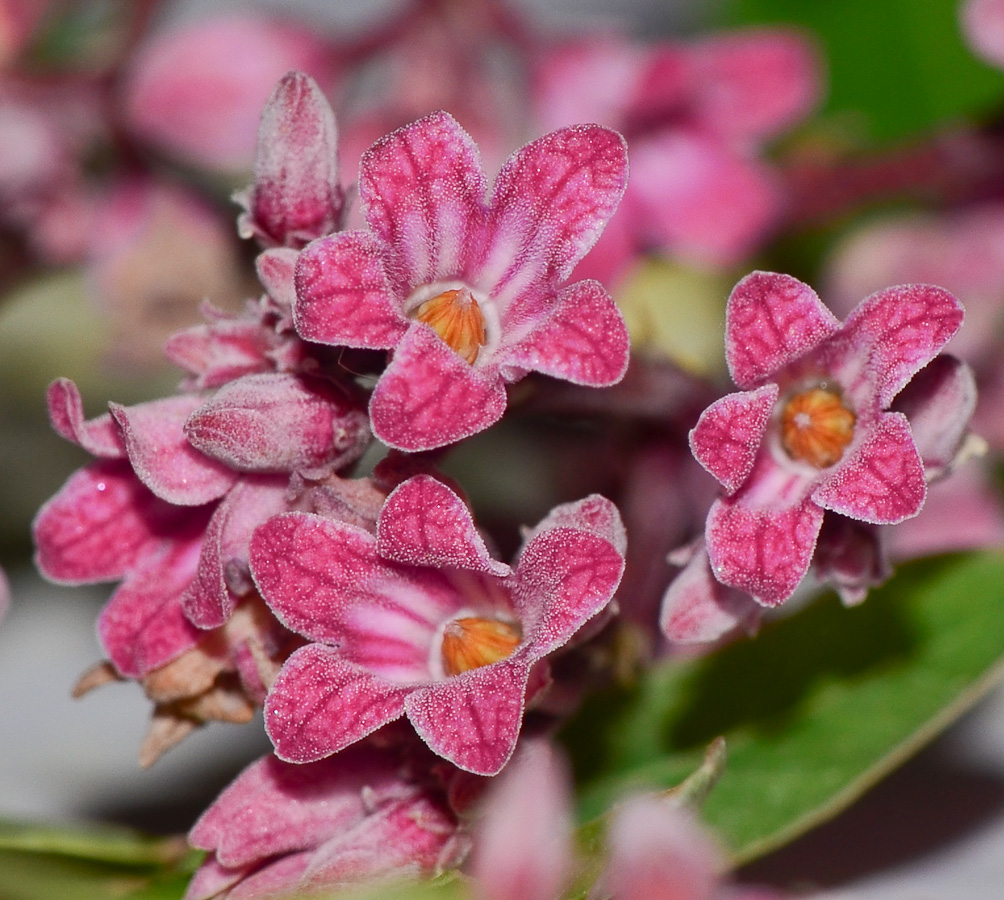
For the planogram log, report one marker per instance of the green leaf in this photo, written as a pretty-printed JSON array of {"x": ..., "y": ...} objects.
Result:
[
  {"x": 98, "y": 843},
  {"x": 814, "y": 711},
  {"x": 899, "y": 66}
]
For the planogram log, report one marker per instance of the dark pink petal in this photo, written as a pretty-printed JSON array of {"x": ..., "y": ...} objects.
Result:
[
  {"x": 522, "y": 857},
  {"x": 594, "y": 514},
  {"x": 764, "y": 552},
  {"x": 424, "y": 523},
  {"x": 564, "y": 578},
  {"x": 850, "y": 556},
  {"x": 306, "y": 567},
  {"x": 278, "y": 877},
  {"x": 429, "y": 397},
  {"x": 220, "y": 352},
  {"x": 212, "y": 880},
  {"x": 99, "y": 525},
  {"x": 99, "y": 437},
  {"x": 343, "y": 295},
  {"x": 581, "y": 337},
  {"x": 422, "y": 189},
  {"x": 939, "y": 403},
  {"x": 902, "y": 329},
  {"x": 296, "y": 196},
  {"x": 209, "y": 599},
  {"x": 280, "y": 423},
  {"x": 658, "y": 852},
  {"x": 549, "y": 205},
  {"x": 771, "y": 320},
  {"x": 472, "y": 719},
  {"x": 753, "y": 84},
  {"x": 162, "y": 457},
  {"x": 728, "y": 434},
  {"x": 143, "y": 626},
  {"x": 881, "y": 480},
  {"x": 697, "y": 608},
  {"x": 320, "y": 704}
]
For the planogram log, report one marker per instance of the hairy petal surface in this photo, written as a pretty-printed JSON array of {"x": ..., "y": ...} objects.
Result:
[
  {"x": 728, "y": 434},
  {"x": 320, "y": 703},
  {"x": 771, "y": 320},
  {"x": 99, "y": 437},
  {"x": 581, "y": 338},
  {"x": 343, "y": 294},
  {"x": 473, "y": 719},
  {"x": 765, "y": 552},
  {"x": 429, "y": 397},
  {"x": 422, "y": 189},
  {"x": 424, "y": 523},
  {"x": 882, "y": 481}
]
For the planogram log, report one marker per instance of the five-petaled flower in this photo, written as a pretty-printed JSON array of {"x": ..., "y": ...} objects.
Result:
[
  {"x": 811, "y": 430},
  {"x": 469, "y": 294},
  {"x": 420, "y": 620}
]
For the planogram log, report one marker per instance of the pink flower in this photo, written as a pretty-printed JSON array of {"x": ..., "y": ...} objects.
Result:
[
  {"x": 695, "y": 116},
  {"x": 469, "y": 294},
  {"x": 370, "y": 812},
  {"x": 421, "y": 621},
  {"x": 812, "y": 429}
]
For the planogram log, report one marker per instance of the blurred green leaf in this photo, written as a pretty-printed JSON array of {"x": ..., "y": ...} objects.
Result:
[
  {"x": 97, "y": 843},
  {"x": 899, "y": 65},
  {"x": 815, "y": 710}
]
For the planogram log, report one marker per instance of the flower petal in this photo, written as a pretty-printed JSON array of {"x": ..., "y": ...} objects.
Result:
[
  {"x": 765, "y": 552},
  {"x": 594, "y": 514},
  {"x": 882, "y": 480},
  {"x": 697, "y": 608},
  {"x": 162, "y": 457},
  {"x": 564, "y": 578},
  {"x": 306, "y": 567},
  {"x": 320, "y": 704},
  {"x": 343, "y": 295},
  {"x": 579, "y": 337},
  {"x": 424, "y": 523},
  {"x": 549, "y": 205},
  {"x": 429, "y": 397},
  {"x": 902, "y": 329},
  {"x": 728, "y": 434},
  {"x": 100, "y": 436},
  {"x": 771, "y": 320},
  {"x": 422, "y": 188},
  {"x": 473, "y": 719}
]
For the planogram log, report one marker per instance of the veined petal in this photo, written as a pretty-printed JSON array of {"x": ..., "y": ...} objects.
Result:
[
  {"x": 728, "y": 434},
  {"x": 594, "y": 514},
  {"x": 549, "y": 205},
  {"x": 882, "y": 479},
  {"x": 564, "y": 578},
  {"x": 100, "y": 436},
  {"x": 162, "y": 457},
  {"x": 307, "y": 567},
  {"x": 771, "y": 320},
  {"x": 763, "y": 551},
  {"x": 429, "y": 397},
  {"x": 422, "y": 188},
  {"x": 320, "y": 704},
  {"x": 99, "y": 525},
  {"x": 143, "y": 626},
  {"x": 898, "y": 331},
  {"x": 579, "y": 336},
  {"x": 424, "y": 523},
  {"x": 473, "y": 719},
  {"x": 343, "y": 295}
]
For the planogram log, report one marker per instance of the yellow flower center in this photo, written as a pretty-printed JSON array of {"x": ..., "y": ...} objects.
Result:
[
  {"x": 456, "y": 317},
  {"x": 472, "y": 642},
  {"x": 816, "y": 427}
]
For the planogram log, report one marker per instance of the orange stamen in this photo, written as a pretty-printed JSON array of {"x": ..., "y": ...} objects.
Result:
[
  {"x": 456, "y": 317},
  {"x": 473, "y": 642},
  {"x": 816, "y": 427}
]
